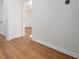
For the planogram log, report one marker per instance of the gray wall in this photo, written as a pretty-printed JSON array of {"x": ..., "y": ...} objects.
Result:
[{"x": 57, "y": 24}]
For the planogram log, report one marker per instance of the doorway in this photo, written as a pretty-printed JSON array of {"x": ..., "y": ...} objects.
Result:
[{"x": 27, "y": 19}]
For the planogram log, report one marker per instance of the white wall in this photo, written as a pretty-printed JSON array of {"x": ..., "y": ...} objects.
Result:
[
  {"x": 0, "y": 9},
  {"x": 11, "y": 12},
  {"x": 57, "y": 25},
  {"x": 2, "y": 19},
  {"x": 15, "y": 18}
]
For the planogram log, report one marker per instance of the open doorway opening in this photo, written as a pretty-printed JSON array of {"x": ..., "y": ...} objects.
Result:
[{"x": 27, "y": 18}]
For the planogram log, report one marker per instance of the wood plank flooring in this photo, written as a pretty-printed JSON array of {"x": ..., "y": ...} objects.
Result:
[{"x": 25, "y": 48}]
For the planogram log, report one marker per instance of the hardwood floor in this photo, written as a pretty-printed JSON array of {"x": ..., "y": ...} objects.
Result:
[{"x": 25, "y": 48}]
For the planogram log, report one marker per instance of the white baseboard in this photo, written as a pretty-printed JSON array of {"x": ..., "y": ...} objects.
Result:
[
  {"x": 10, "y": 38},
  {"x": 3, "y": 34},
  {"x": 58, "y": 48}
]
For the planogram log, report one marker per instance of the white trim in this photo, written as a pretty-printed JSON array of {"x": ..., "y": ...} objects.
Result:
[
  {"x": 57, "y": 48},
  {"x": 10, "y": 38},
  {"x": 3, "y": 34}
]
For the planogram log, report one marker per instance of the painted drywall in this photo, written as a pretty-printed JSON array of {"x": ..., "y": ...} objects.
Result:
[
  {"x": 2, "y": 18},
  {"x": 0, "y": 9},
  {"x": 56, "y": 23},
  {"x": 15, "y": 18}
]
